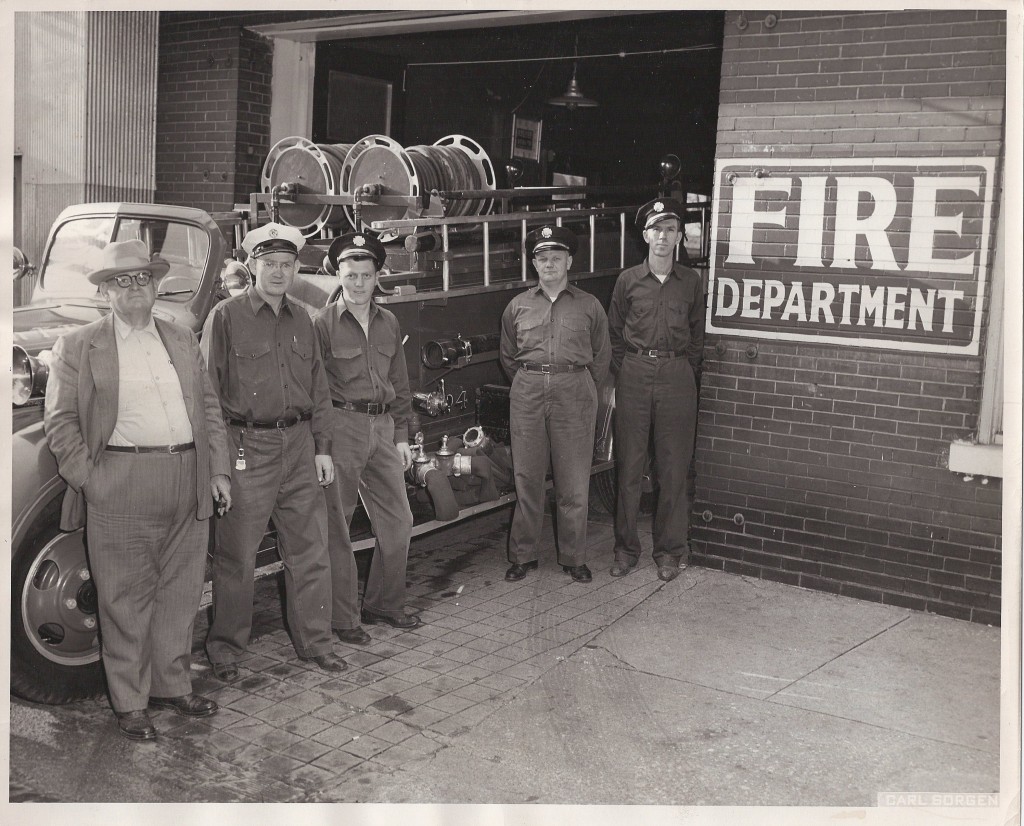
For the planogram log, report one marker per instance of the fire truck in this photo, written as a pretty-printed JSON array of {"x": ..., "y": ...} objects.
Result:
[{"x": 455, "y": 259}]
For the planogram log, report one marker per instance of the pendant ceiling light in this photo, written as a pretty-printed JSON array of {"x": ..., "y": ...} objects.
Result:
[{"x": 572, "y": 97}]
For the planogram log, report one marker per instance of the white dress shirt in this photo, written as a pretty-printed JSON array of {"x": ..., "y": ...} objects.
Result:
[{"x": 150, "y": 407}]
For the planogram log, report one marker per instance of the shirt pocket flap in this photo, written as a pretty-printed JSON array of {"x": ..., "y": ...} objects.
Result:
[
  {"x": 575, "y": 322},
  {"x": 250, "y": 349},
  {"x": 340, "y": 351},
  {"x": 302, "y": 349}
]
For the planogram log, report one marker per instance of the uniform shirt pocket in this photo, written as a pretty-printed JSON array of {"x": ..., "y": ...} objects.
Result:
[
  {"x": 346, "y": 362},
  {"x": 574, "y": 328},
  {"x": 531, "y": 333},
  {"x": 253, "y": 362},
  {"x": 383, "y": 353}
]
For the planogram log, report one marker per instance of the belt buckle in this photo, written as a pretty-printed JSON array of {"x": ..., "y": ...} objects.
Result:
[
  {"x": 174, "y": 449},
  {"x": 375, "y": 409},
  {"x": 281, "y": 424},
  {"x": 545, "y": 369}
]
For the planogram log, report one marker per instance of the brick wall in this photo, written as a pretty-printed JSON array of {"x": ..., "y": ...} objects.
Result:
[
  {"x": 213, "y": 112},
  {"x": 825, "y": 466}
]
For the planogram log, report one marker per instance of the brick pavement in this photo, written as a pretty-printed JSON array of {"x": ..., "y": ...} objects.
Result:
[{"x": 288, "y": 732}]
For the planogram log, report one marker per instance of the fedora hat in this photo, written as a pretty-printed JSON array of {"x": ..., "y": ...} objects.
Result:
[{"x": 126, "y": 256}]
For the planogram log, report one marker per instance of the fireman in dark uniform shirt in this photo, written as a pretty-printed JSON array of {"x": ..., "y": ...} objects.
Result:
[
  {"x": 656, "y": 321},
  {"x": 554, "y": 346},
  {"x": 266, "y": 369},
  {"x": 361, "y": 346}
]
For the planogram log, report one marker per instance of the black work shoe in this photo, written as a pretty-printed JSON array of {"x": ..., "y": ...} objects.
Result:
[
  {"x": 190, "y": 705},
  {"x": 327, "y": 662},
  {"x": 225, "y": 672},
  {"x": 518, "y": 570},
  {"x": 353, "y": 636},
  {"x": 406, "y": 621},
  {"x": 666, "y": 573},
  {"x": 580, "y": 573},
  {"x": 135, "y": 725},
  {"x": 622, "y": 568}
]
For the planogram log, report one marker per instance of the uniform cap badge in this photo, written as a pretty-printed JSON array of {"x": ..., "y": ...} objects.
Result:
[
  {"x": 359, "y": 241},
  {"x": 273, "y": 233},
  {"x": 659, "y": 207},
  {"x": 546, "y": 232}
]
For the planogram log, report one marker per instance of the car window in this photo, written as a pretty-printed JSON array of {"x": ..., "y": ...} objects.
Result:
[
  {"x": 75, "y": 253},
  {"x": 183, "y": 246}
]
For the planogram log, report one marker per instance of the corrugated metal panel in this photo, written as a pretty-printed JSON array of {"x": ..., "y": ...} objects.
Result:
[
  {"x": 121, "y": 105},
  {"x": 85, "y": 112},
  {"x": 49, "y": 118}
]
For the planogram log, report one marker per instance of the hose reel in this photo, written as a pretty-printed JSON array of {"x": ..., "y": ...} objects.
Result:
[
  {"x": 385, "y": 181},
  {"x": 306, "y": 168}
]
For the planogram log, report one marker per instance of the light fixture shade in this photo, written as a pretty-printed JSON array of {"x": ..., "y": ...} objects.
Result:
[{"x": 572, "y": 97}]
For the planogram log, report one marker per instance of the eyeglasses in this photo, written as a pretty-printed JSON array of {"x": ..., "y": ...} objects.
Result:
[{"x": 141, "y": 277}]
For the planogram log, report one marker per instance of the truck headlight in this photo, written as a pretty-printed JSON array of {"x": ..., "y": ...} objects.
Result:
[{"x": 29, "y": 375}]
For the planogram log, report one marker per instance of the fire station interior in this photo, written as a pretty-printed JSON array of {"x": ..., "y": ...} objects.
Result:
[{"x": 646, "y": 85}]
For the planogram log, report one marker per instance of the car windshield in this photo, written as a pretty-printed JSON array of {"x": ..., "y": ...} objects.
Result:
[{"x": 78, "y": 243}]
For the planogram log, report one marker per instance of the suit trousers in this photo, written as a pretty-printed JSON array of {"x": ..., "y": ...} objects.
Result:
[
  {"x": 279, "y": 482},
  {"x": 147, "y": 554},
  {"x": 552, "y": 419},
  {"x": 654, "y": 397},
  {"x": 367, "y": 466}
]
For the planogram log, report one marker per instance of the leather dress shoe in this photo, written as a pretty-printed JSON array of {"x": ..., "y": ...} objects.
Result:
[
  {"x": 327, "y": 662},
  {"x": 190, "y": 705},
  {"x": 666, "y": 573},
  {"x": 518, "y": 570},
  {"x": 353, "y": 636},
  {"x": 622, "y": 568},
  {"x": 225, "y": 672},
  {"x": 135, "y": 725},
  {"x": 406, "y": 621},
  {"x": 580, "y": 573}
]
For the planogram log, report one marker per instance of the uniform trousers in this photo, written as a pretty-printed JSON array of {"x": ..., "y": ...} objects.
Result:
[
  {"x": 658, "y": 395},
  {"x": 367, "y": 466},
  {"x": 552, "y": 420},
  {"x": 147, "y": 554},
  {"x": 279, "y": 482}
]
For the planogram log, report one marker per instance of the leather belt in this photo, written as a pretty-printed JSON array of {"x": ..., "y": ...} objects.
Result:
[
  {"x": 656, "y": 354},
  {"x": 368, "y": 408},
  {"x": 152, "y": 448},
  {"x": 279, "y": 424},
  {"x": 532, "y": 367}
]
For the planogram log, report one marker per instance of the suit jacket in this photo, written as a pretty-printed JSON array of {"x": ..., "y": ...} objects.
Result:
[{"x": 81, "y": 409}]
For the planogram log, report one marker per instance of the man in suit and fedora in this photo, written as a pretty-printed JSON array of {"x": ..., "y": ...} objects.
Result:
[{"x": 135, "y": 426}]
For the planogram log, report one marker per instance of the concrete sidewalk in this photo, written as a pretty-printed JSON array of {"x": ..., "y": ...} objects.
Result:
[{"x": 710, "y": 690}]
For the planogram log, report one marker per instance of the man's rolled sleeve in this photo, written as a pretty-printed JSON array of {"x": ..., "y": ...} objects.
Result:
[
  {"x": 616, "y": 323},
  {"x": 320, "y": 393},
  {"x": 601, "y": 344},
  {"x": 695, "y": 349},
  {"x": 509, "y": 345},
  {"x": 398, "y": 373}
]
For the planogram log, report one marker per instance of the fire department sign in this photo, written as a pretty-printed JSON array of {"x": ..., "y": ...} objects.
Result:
[{"x": 883, "y": 252}]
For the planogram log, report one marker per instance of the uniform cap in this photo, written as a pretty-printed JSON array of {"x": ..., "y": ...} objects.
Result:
[
  {"x": 356, "y": 245},
  {"x": 273, "y": 238},
  {"x": 551, "y": 237},
  {"x": 658, "y": 210},
  {"x": 126, "y": 256}
]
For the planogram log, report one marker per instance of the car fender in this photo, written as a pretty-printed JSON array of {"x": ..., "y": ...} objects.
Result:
[{"x": 35, "y": 481}]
